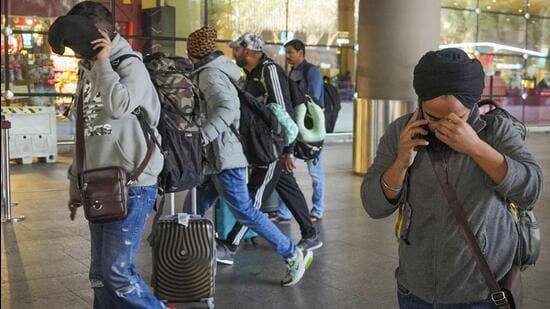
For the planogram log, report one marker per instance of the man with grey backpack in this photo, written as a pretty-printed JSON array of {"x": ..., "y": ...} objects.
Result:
[{"x": 457, "y": 180}]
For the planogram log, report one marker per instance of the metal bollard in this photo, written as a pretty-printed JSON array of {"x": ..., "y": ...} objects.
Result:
[{"x": 6, "y": 186}]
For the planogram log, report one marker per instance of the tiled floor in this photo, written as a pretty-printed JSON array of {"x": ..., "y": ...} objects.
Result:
[{"x": 45, "y": 258}]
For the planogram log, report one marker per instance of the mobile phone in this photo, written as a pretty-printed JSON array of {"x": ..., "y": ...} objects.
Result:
[{"x": 425, "y": 127}]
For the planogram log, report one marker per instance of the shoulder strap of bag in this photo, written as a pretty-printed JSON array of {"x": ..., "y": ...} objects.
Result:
[
  {"x": 79, "y": 142},
  {"x": 151, "y": 140},
  {"x": 116, "y": 63},
  {"x": 497, "y": 295}
]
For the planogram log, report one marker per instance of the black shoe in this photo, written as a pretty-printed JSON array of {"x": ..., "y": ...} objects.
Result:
[
  {"x": 223, "y": 254},
  {"x": 311, "y": 243},
  {"x": 272, "y": 215}
]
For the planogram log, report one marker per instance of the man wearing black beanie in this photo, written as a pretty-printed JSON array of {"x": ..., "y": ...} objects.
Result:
[{"x": 483, "y": 159}]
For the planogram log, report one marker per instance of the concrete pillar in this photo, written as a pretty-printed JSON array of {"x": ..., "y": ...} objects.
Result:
[
  {"x": 346, "y": 22},
  {"x": 393, "y": 35}
]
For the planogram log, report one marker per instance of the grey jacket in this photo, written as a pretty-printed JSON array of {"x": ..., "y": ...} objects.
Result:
[
  {"x": 437, "y": 265},
  {"x": 220, "y": 104},
  {"x": 113, "y": 136}
]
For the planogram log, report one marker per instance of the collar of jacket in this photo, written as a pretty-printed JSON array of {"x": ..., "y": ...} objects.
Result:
[
  {"x": 263, "y": 61},
  {"x": 207, "y": 59},
  {"x": 301, "y": 66}
]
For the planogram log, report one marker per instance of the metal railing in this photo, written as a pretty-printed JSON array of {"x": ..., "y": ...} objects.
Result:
[{"x": 6, "y": 184}]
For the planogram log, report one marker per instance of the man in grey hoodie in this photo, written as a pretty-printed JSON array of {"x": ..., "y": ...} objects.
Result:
[
  {"x": 214, "y": 77},
  {"x": 486, "y": 162},
  {"x": 113, "y": 137}
]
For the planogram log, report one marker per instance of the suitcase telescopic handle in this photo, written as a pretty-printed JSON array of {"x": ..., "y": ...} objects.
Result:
[{"x": 194, "y": 200}]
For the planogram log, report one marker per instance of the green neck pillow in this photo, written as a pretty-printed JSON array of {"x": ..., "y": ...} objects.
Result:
[{"x": 310, "y": 119}]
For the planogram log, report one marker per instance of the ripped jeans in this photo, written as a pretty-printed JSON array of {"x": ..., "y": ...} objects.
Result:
[{"x": 114, "y": 246}]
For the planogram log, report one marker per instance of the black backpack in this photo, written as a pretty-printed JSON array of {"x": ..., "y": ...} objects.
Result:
[
  {"x": 260, "y": 132},
  {"x": 179, "y": 123},
  {"x": 497, "y": 111},
  {"x": 332, "y": 107},
  {"x": 528, "y": 249}
]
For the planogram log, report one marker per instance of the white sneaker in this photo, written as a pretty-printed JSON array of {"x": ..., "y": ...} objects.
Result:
[{"x": 297, "y": 266}]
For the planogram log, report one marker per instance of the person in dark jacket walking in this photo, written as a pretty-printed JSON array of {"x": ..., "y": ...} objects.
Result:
[
  {"x": 486, "y": 162},
  {"x": 268, "y": 82}
]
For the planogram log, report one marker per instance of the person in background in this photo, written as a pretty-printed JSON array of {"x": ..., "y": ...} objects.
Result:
[
  {"x": 310, "y": 81},
  {"x": 268, "y": 82}
]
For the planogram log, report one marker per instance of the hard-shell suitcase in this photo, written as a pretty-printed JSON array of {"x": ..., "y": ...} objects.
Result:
[{"x": 184, "y": 257}]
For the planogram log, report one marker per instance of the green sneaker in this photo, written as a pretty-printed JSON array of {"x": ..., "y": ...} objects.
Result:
[{"x": 297, "y": 266}]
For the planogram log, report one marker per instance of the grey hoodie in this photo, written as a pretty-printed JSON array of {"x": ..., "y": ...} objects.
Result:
[
  {"x": 113, "y": 136},
  {"x": 437, "y": 265},
  {"x": 221, "y": 105}
]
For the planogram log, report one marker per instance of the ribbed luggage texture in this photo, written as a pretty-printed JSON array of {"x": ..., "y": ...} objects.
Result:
[{"x": 184, "y": 260}]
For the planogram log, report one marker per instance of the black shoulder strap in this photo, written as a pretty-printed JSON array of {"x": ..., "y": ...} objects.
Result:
[
  {"x": 305, "y": 73},
  {"x": 147, "y": 131},
  {"x": 498, "y": 296},
  {"x": 116, "y": 63}
]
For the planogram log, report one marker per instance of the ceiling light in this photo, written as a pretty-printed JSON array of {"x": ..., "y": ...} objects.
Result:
[{"x": 526, "y": 52}]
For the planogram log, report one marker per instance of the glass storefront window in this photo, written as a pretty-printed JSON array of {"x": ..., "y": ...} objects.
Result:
[
  {"x": 538, "y": 35},
  {"x": 503, "y": 6},
  {"x": 537, "y": 101},
  {"x": 458, "y": 26},
  {"x": 149, "y": 46},
  {"x": 321, "y": 29},
  {"x": 502, "y": 29},
  {"x": 277, "y": 53},
  {"x": 459, "y": 4},
  {"x": 233, "y": 18}
]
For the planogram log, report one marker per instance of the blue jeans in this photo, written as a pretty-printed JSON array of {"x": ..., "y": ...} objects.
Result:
[
  {"x": 231, "y": 186},
  {"x": 114, "y": 245},
  {"x": 317, "y": 174},
  {"x": 407, "y": 300}
]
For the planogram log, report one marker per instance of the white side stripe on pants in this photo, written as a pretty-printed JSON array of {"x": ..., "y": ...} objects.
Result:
[{"x": 257, "y": 200}]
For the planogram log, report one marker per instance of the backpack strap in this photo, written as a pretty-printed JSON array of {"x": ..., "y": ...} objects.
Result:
[
  {"x": 148, "y": 133},
  {"x": 116, "y": 63},
  {"x": 305, "y": 73}
]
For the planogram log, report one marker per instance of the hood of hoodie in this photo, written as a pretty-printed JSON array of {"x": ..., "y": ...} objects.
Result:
[{"x": 219, "y": 61}]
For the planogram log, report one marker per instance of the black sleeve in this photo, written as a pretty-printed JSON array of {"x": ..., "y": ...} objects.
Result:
[{"x": 276, "y": 84}]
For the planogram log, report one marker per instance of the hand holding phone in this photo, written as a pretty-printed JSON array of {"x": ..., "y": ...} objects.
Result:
[{"x": 412, "y": 136}]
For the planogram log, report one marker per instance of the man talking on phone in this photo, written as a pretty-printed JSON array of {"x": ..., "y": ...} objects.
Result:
[{"x": 486, "y": 162}]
